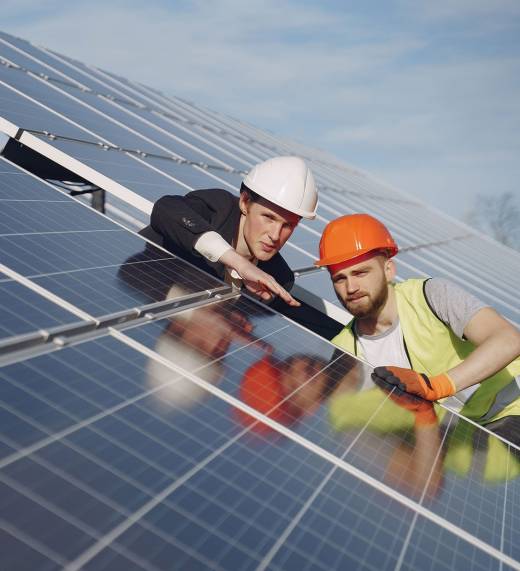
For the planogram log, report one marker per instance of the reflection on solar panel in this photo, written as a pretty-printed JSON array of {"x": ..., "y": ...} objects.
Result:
[{"x": 155, "y": 418}]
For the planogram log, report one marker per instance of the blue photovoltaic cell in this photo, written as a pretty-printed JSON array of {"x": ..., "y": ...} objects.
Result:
[
  {"x": 15, "y": 186},
  {"x": 196, "y": 178},
  {"x": 62, "y": 246},
  {"x": 28, "y": 115},
  {"x": 28, "y": 61},
  {"x": 104, "y": 290},
  {"x": 55, "y": 98},
  {"x": 37, "y": 254},
  {"x": 99, "y": 472},
  {"x": 18, "y": 218},
  {"x": 350, "y": 525},
  {"x": 432, "y": 547},
  {"x": 512, "y": 513},
  {"x": 79, "y": 268},
  {"x": 122, "y": 168},
  {"x": 24, "y": 311},
  {"x": 247, "y": 497},
  {"x": 145, "y": 137},
  {"x": 100, "y": 86}
]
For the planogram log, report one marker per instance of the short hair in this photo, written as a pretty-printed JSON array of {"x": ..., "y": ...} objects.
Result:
[{"x": 253, "y": 196}]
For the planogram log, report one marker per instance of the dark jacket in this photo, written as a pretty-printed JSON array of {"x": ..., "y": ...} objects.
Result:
[{"x": 177, "y": 222}]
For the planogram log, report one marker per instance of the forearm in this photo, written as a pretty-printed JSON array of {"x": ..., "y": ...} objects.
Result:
[
  {"x": 212, "y": 246},
  {"x": 492, "y": 355},
  {"x": 232, "y": 259}
]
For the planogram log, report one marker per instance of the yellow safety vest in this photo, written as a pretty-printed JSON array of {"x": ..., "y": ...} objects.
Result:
[{"x": 433, "y": 348}]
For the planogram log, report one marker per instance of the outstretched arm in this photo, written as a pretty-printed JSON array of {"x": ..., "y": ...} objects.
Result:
[
  {"x": 496, "y": 341},
  {"x": 255, "y": 280},
  {"x": 497, "y": 344}
]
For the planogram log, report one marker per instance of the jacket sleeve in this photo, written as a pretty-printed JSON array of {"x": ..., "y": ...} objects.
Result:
[{"x": 181, "y": 220}]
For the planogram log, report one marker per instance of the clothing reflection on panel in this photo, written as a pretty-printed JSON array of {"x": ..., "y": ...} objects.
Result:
[
  {"x": 410, "y": 432},
  {"x": 152, "y": 275},
  {"x": 195, "y": 340},
  {"x": 414, "y": 463},
  {"x": 284, "y": 391},
  {"x": 416, "y": 466}
]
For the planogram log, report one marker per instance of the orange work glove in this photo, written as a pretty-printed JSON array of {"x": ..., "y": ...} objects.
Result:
[
  {"x": 422, "y": 410},
  {"x": 419, "y": 384}
]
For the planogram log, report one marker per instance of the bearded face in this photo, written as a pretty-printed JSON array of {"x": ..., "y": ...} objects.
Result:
[
  {"x": 368, "y": 303},
  {"x": 363, "y": 288}
]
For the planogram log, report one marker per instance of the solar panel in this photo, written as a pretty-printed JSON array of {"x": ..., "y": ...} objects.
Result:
[
  {"x": 25, "y": 311},
  {"x": 123, "y": 462},
  {"x": 62, "y": 246},
  {"x": 135, "y": 433}
]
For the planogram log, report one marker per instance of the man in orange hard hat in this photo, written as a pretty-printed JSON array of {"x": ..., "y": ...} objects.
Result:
[{"x": 428, "y": 337}]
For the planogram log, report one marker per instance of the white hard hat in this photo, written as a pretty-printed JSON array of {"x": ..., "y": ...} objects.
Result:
[{"x": 287, "y": 182}]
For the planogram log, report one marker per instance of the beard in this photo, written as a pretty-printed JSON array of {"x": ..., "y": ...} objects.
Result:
[{"x": 370, "y": 305}]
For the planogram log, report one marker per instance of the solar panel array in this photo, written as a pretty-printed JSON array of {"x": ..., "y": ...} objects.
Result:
[{"x": 130, "y": 434}]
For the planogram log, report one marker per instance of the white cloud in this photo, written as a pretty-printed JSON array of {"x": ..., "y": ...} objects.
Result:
[{"x": 389, "y": 97}]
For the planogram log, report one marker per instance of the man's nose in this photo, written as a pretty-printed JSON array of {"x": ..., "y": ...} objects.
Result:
[
  {"x": 352, "y": 285},
  {"x": 274, "y": 232}
]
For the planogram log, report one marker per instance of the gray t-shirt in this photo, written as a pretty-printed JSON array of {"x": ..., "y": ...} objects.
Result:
[{"x": 452, "y": 305}]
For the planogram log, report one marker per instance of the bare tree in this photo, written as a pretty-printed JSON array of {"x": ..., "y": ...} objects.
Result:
[{"x": 497, "y": 216}]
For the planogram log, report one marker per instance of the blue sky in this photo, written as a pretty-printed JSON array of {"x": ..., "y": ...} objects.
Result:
[{"x": 425, "y": 95}]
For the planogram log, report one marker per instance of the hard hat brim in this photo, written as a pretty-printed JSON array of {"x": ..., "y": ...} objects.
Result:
[{"x": 333, "y": 260}]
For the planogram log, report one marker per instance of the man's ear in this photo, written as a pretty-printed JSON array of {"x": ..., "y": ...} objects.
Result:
[
  {"x": 243, "y": 203},
  {"x": 390, "y": 270}
]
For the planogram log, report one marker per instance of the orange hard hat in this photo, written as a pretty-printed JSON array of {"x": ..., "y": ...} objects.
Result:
[
  {"x": 351, "y": 236},
  {"x": 261, "y": 389}
]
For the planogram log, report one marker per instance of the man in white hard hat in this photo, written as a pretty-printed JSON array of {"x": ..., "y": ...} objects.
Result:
[{"x": 238, "y": 239}]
